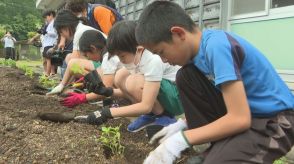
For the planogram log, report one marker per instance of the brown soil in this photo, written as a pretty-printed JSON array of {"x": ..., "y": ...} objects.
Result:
[{"x": 24, "y": 138}]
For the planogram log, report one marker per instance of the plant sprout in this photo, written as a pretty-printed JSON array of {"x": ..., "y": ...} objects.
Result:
[
  {"x": 110, "y": 138},
  {"x": 29, "y": 72},
  {"x": 46, "y": 82}
]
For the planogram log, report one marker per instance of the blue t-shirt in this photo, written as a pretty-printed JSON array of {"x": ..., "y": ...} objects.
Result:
[{"x": 224, "y": 57}]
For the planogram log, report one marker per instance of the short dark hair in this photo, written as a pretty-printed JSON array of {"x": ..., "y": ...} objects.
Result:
[
  {"x": 158, "y": 18},
  {"x": 122, "y": 38},
  {"x": 48, "y": 13},
  {"x": 66, "y": 19},
  {"x": 94, "y": 38},
  {"x": 76, "y": 6}
]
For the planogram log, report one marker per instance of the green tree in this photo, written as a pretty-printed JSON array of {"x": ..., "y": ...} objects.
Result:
[{"x": 20, "y": 17}]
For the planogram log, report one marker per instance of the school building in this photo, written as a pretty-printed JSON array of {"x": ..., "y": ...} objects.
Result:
[{"x": 268, "y": 24}]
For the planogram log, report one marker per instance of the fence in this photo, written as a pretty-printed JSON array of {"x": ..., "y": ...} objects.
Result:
[{"x": 25, "y": 51}]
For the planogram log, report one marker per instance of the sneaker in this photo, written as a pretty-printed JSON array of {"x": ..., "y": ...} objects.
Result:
[
  {"x": 141, "y": 122},
  {"x": 164, "y": 120}
]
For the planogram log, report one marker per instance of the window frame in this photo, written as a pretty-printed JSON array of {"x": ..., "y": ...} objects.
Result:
[
  {"x": 268, "y": 14},
  {"x": 249, "y": 15}
]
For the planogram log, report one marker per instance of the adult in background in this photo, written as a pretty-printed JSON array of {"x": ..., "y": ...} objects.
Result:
[{"x": 9, "y": 45}]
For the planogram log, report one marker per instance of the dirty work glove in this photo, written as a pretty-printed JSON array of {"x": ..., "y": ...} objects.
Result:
[
  {"x": 169, "y": 150},
  {"x": 95, "y": 118},
  {"x": 93, "y": 83},
  {"x": 56, "y": 90},
  {"x": 73, "y": 99},
  {"x": 168, "y": 131}
]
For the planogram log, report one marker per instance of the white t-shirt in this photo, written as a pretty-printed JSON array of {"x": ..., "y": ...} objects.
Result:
[
  {"x": 50, "y": 38},
  {"x": 110, "y": 66},
  {"x": 154, "y": 69},
  {"x": 9, "y": 42},
  {"x": 81, "y": 28}
]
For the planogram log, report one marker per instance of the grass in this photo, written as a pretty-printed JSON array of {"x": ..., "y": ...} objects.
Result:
[{"x": 29, "y": 63}]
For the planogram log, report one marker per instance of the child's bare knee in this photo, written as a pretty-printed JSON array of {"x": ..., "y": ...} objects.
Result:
[
  {"x": 120, "y": 77},
  {"x": 134, "y": 85}
]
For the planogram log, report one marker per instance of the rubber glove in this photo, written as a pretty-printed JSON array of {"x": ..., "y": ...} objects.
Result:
[
  {"x": 169, "y": 150},
  {"x": 73, "y": 99},
  {"x": 56, "y": 90},
  {"x": 94, "y": 83},
  {"x": 168, "y": 131},
  {"x": 95, "y": 118}
]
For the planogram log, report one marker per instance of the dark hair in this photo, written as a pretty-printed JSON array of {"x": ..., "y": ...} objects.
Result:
[
  {"x": 66, "y": 19},
  {"x": 48, "y": 13},
  {"x": 108, "y": 3},
  {"x": 122, "y": 38},
  {"x": 92, "y": 38},
  {"x": 76, "y": 6},
  {"x": 158, "y": 18},
  {"x": 111, "y": 4}
]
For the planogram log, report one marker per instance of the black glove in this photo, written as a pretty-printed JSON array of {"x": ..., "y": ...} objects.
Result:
[
  {"x": 93, "y": 83},
  {"x": 95, "y": 118}
]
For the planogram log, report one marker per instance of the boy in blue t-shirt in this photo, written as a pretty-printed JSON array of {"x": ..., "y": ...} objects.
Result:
[{"x": 231, "y": 94}]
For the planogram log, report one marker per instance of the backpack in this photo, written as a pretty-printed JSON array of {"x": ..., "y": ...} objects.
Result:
[{"x": 92, "y": 20}]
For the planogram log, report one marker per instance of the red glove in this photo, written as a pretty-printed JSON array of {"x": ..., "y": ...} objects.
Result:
[{"x": 73, "y": 99}]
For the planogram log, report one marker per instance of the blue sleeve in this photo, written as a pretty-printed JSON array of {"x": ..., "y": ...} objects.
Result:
[{"x": 224, "y": 56}]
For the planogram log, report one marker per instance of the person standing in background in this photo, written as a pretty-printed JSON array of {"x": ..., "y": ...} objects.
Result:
[
  {"x": 9, "y": 45},
  {"x": 49, "y": 40}
]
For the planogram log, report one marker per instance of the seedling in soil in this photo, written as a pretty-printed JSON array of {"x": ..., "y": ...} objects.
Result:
[
  {"x": 29, "y": 72},
  {"x": 23, "y": 67},
  {"x": 46, "y": 82},
  {"x": 9, "y": 62},
  {"x": 2, "y": 62},
  {"x": 110, "y": 139},
  {"x": 76, "y": 69},
  {"x": 282, "y": 160}
]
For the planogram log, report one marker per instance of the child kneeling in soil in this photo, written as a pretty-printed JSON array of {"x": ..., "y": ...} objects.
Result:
[
  {"x": 92, "y": 45},
  {"x": 146, "y": 81},
  {"x": 231, "y": 94},
  {"x": 68, "y": 26}
]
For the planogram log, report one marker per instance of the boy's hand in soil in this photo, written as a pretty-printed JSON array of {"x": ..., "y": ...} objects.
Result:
[
  {"x": 168, "y": 131},
  {"x": 169, "y": 150},
  {"x": 93, "y": 83},
  {"x": 56, "y": 90},
  {"x": 95, "y": 118},
  {"x": 73, "y": 99}
]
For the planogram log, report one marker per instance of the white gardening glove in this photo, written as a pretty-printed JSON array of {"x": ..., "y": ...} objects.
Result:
[
  {"x": 57, "y": 89},
  {"x": 169, "y": 150},
  {"x": 168, "y": 131}
]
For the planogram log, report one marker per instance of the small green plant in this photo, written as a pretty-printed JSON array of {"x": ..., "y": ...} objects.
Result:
[
  {"x": 2, "y": 61},
  {"x": 76, "y": 69},
  {"x": 282, "y": 160},
  {"x": 46, "y": 82},
  {"x": 29, "y": 72},
  {"x": 110, "y": 138},
  {"x": 9, "y": 62},
  {"x": 22, "y": 67}
]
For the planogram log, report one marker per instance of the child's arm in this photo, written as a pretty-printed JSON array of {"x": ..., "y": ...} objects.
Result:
[
  {"x": 237, "y": 119},
  {"x": 149, "y": 96},
  {"x": 14, "y": 40}
]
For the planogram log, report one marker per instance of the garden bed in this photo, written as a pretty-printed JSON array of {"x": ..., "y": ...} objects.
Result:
[{"x": 24, "y": 138}]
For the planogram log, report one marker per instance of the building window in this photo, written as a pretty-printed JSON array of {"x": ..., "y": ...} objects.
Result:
[
  {"x": 281, "y": 3},
  {"x": 241, "y": 7}
]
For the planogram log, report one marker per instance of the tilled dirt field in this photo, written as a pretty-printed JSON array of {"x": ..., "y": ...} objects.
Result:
[{"x": 24, "y": 138}]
